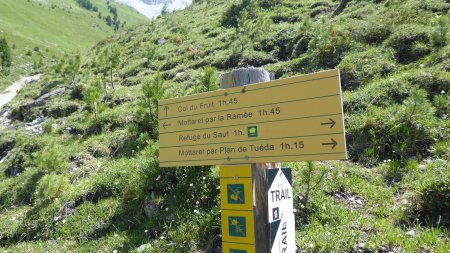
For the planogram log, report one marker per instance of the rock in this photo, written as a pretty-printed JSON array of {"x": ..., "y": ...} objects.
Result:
[
  {"x": 161, "y": 41},
  {"x": 68, "y": 209},
  {"x": 41, "y": 100},
  {"x": 25, "y": 111},
  {"x": 6, "y": 147},
  {"x": 411, "y": 233},
  {"x": 151, "y": 209},
  {"x": 52, "y": 242},
  {"x": 35, "y": 127},
  {"x": 5, "y": 120},
  {"x": 88, "y": 162},
  {"x": 144, "y": 247}
]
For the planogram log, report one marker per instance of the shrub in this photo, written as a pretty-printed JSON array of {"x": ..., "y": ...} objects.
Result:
[
  {"x": 266, "y": 4},
  {"x": 373, "y": 31},
  {"x": 233, "y": 12},
  {"x": 442, "y": 149},
  {"x": 327, "y": 46},
  {"x": 318, "y": 11},
  {"x": 395, "y": 171},
  {"x": 301, "y": 45},
  {"x": 435, "y": 201},
  {"x": 397, "y": 132},
  {"x": 285, "y": 14},
  {"x": 99, "y": 150},
  {"x": 93, "y": 97},
  {"x": 382, "y": 93},
  {"x": 51, "y": 159},
  {"x": 226, "y": 59},
  {"x": 410, "y": 42},
  {"x": 250, "y": 29},
  {"x": 209, "y": 78},
  {"x": 442, "y": 105},
  {"x": 47, "y": 126},
  {"x": 5, "y": 53},
  {"x": 52, "y": 186},
  {"x": 358, "y": 68},
  {"x": 433, "y": 81},
  {"x": 303, "y": 38},
  {"x": 430, "y": 202},
  {"x": 256, "y": 59},
  {"x": 63, "y": 110},
  {"x": 282, "y": 43},
  {"x": 439, "y": 36}
]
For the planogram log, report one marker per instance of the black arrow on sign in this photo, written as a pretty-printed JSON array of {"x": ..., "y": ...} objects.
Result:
[
  {"x": 331, "y": 123},
  {"x": 228, "y": 158},
  {"x": 333, "y": 143},
  {"x": 166, "y": 108},
  {"x": 165, "y": 125}
]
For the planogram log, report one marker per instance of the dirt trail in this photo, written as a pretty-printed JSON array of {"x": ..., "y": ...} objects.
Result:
[{"x": 7, "y": 95}]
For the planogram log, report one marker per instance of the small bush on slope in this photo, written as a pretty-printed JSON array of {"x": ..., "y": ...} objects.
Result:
[
  {"x": 358, "y": 68},
  {"x": 410, "y": 42},
  {"x": 52, "y": 186}
]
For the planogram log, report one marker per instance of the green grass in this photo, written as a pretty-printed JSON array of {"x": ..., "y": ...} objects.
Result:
[
  {"x": 392, "y": 195},
  {"x": 54, "y": 27}
]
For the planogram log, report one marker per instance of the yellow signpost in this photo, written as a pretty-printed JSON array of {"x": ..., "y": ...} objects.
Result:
[
  {"x": 292, "y": 119},
  {"x": 238, "y": 225}
]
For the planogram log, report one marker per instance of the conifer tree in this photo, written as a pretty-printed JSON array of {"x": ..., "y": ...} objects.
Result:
[{"x": 5, "y": 53}]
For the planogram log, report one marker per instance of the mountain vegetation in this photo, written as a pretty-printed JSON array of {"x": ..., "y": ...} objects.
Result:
[
  {"x": 79, "y": 149},
  {"x": 39, "y": 31}
]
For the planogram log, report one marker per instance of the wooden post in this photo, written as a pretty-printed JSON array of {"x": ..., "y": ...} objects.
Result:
[{"x": 242, "y": 77}]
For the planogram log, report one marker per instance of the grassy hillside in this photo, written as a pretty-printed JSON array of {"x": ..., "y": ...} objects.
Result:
[
  {"x": 38, "y": 29},
  {"x": 80, "y": 159}
]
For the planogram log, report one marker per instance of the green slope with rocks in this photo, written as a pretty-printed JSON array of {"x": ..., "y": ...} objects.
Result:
[{"x": 79, "y": 149}]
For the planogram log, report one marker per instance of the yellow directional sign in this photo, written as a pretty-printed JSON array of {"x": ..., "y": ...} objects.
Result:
[
  {"x": 236, "y": 189},
  {"x": 292, "y": 119},
  {"x": 238, "y": 226},
  {"x": 236, "y": 195}
]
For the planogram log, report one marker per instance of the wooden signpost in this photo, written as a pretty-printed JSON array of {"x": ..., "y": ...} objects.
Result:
[{"x": 246, "y": 129}]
